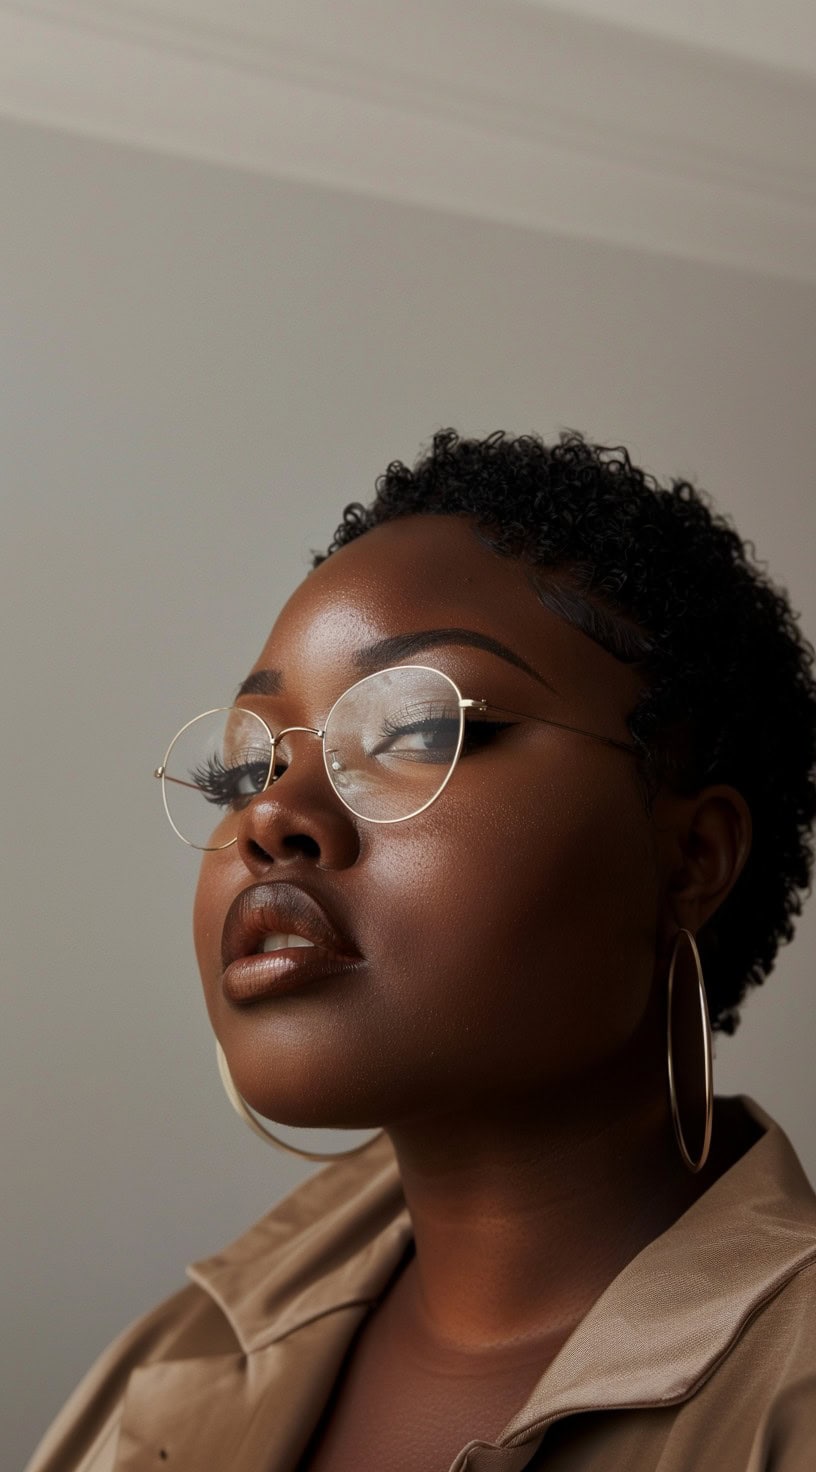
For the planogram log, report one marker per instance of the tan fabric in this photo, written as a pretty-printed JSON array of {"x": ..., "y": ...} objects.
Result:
[{"x": 699, "y": 1357}]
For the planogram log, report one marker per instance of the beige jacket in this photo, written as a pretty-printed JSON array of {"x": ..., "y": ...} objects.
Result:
[{"x": 700, "y": 1356}]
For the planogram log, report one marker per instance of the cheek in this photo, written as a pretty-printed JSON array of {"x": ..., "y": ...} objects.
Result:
[
  {"x": 210, "y": 906},
  {"x": 509, "y": 933},
  {"x": 531, "y": 922}
]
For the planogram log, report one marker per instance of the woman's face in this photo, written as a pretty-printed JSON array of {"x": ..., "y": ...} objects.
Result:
[{"x": 508, "y": 932}]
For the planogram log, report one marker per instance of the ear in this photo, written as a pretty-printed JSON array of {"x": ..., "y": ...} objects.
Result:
[{"x": 712, "y": 841}]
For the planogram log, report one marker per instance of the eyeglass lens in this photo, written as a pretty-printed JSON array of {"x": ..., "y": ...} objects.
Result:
[{"x": 390, "y": 744}]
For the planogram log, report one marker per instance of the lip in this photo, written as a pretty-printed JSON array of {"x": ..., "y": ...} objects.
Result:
[{"x": 287, "y": 908}]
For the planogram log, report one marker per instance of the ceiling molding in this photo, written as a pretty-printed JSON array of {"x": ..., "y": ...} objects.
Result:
[{"x": 490, "y": 108}]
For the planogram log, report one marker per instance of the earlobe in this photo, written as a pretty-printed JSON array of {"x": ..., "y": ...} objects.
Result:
[{"x": 715, "y": 845}]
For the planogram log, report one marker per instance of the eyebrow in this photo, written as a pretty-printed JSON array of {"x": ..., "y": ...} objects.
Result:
[{"x": 400, "y": 646}]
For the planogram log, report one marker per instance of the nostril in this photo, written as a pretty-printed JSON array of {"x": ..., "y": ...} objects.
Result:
[
  {"x": 292, "y": 843},
  {"x": 303, "y": 843}
]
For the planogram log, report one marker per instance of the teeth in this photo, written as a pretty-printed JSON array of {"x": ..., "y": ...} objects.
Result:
[{"x": 278, "y": 942}]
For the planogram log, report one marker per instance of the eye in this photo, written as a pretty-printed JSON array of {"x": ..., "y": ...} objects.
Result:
[
  {"x": 433, "y": 737},
  {"x": 421, "y": 733},
  {"x": 231, "y": 785}
]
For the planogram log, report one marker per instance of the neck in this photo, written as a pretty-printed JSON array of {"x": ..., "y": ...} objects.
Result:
[{"x": 523, "y": 1216}]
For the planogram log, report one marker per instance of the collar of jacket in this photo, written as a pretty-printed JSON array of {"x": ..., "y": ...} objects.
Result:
[{"x": 656, "y": 1333}]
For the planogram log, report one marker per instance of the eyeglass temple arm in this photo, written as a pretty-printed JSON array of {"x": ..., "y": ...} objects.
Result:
[
  {"x": 179, "y": 781},
  {"x": 484, "y": 705}
]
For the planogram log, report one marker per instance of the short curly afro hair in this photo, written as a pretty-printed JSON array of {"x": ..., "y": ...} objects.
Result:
[{"x": 665, "y": 584}]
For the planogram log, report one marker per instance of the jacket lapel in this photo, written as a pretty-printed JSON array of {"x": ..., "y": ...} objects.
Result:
[
  {"x": 666, "y": 1321},
  {"x": 234, "y": 1411}
]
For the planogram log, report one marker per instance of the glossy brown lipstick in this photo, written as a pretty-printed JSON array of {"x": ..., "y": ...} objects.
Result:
[{"x": 279, "y": 909}]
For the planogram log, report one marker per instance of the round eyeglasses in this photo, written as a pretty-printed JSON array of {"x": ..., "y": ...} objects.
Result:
[{"x": 390, "y": 745}]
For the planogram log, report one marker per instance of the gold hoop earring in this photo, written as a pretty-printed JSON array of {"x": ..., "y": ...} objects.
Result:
[
  {"x": 241, "y": 1107},
  {"x": 705, "y": 1022}
]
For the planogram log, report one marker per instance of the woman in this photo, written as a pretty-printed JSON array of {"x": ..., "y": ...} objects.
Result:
[{"x": 517, "y": 796}]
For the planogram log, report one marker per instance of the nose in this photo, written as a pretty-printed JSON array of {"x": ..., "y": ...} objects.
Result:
[{"x": 299, "y": 816}]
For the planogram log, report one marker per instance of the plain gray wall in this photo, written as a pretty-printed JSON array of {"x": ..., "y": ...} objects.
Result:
[{"x": 201, "y": 368}]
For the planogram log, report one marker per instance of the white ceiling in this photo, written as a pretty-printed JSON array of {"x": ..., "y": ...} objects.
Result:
[{"x": 639, "y": 122}]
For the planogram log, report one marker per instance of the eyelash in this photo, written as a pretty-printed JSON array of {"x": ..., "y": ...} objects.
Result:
[
  {"x": 477, "y": 732},
  {"x": 217, "y": 782}
]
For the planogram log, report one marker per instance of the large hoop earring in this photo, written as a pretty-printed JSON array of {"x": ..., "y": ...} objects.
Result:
[
  {"x": 241, "y": 1107},
  {"x": 705, "y": 1023}
]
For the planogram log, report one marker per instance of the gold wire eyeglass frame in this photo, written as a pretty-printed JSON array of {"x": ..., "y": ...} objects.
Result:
[{"x": 465, "y": 704}]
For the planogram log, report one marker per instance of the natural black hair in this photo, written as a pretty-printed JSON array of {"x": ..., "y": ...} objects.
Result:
[{"x": 664, "y": 583}]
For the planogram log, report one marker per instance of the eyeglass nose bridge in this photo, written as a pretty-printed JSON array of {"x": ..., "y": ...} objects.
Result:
[{"x": 277, "y": 737}]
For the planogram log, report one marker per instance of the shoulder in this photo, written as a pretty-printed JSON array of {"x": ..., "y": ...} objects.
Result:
[
  {"x": 768, "y": 1384},
  {"x": 759, "y": 1396},
  {"x": 83, "y": 1435},
  {"x": 264, "y": 1279}
]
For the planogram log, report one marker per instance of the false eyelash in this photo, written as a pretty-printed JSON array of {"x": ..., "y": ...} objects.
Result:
[
  {"x": 476, "y": 731},
  {"x": 217, "y": 781},
  {"x": 214, "y": 779},
  {"x": 418, "y": 716}
]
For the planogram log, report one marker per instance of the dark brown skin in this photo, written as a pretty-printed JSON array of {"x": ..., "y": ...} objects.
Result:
[{"x": 508, "y": 1028}]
